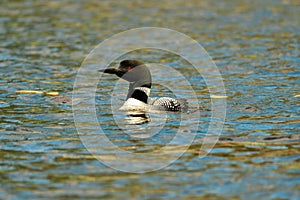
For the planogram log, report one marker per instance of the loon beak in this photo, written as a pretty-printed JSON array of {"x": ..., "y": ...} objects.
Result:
[
  {"x": 109, "y": 70},
  {"x": 115, "y": 71}
]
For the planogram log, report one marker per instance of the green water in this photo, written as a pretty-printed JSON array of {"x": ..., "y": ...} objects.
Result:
[{"x": 255, "y": 45}]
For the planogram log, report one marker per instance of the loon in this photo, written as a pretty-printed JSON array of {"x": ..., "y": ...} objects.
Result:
[{"x": 139, "y": 77}]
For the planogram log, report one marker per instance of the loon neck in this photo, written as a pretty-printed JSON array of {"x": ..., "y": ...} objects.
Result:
[
  {"x": 139, "y": 92},
  {"x": 140, "y": 83}
]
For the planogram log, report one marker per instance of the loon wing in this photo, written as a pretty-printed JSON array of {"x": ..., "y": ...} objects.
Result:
[{"x": 169, "y": 104}]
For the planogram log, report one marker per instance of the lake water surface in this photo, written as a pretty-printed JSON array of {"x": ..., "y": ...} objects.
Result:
[{"x": 255, "y": 45}]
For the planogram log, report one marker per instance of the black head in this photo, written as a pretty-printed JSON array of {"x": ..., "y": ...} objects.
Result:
[
  {"x": 127, "y": 65},
  {"x": 131, "y": 70},
  {"x": 124, "y": 67}
]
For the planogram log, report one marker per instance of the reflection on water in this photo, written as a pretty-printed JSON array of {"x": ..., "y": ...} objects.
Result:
[
  {"x": 140, "y": 124},
  {"x": 137, "y": 118},
  {"x": 256, "y": 47}
]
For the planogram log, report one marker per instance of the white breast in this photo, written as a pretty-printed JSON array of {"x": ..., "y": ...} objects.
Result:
[{"x": 134, "y": 104}]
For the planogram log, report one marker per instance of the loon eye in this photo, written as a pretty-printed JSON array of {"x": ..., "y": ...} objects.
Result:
[{"x": 129, "y": 68}]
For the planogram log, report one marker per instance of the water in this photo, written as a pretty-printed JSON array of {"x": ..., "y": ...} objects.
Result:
[{"x": 256, "y": 48}]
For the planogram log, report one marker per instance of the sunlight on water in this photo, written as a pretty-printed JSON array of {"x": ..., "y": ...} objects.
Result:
[{"x": 256, "y": 48}]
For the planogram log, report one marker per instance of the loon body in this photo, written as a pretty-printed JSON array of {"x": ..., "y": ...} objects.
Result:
[{"x": 139, "y": 77}]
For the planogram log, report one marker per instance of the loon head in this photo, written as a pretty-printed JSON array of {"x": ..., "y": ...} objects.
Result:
[{"x": 133, "y": 71}]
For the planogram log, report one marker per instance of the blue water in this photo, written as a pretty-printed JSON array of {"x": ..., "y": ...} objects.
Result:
[{"x": 255, "y": 46}]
